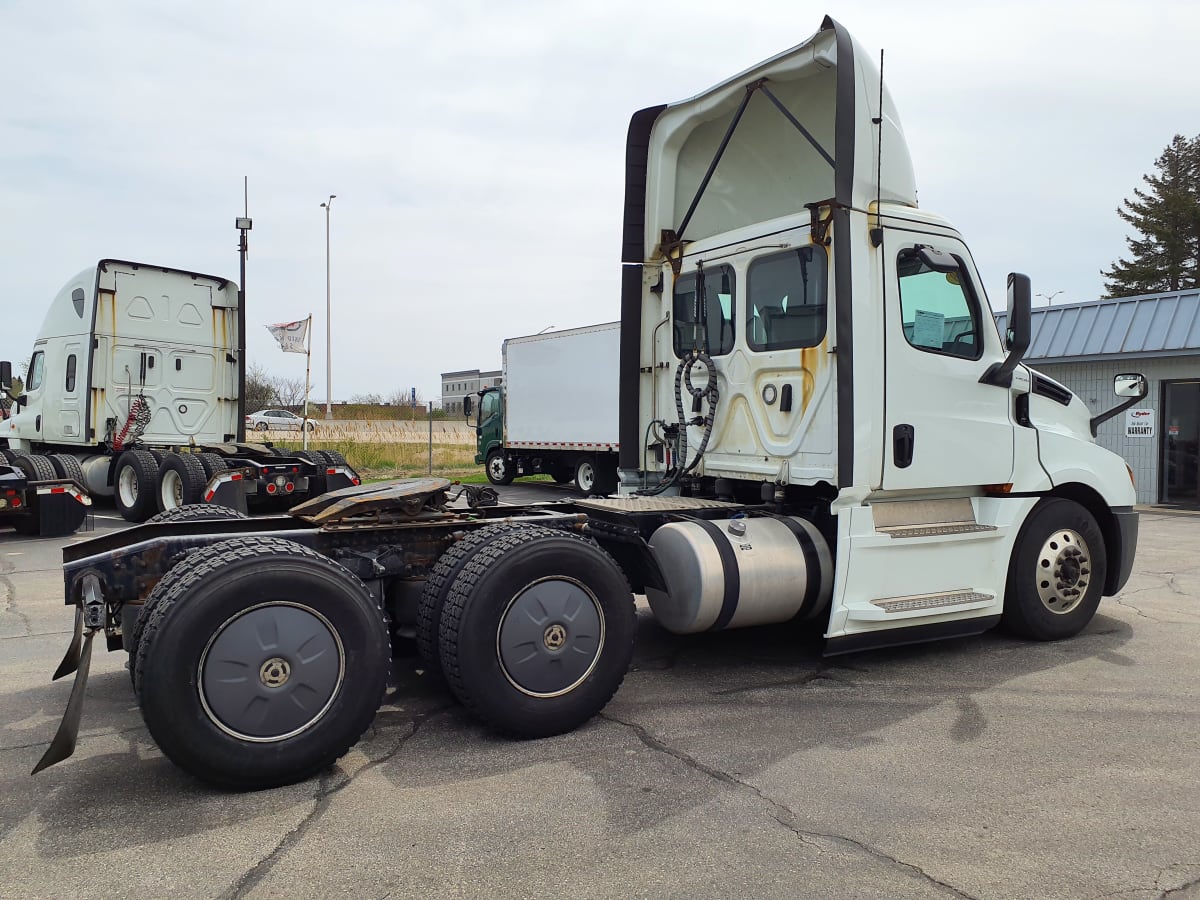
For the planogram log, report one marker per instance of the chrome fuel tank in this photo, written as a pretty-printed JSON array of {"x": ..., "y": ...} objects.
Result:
[{"x": 738, "y": 572}]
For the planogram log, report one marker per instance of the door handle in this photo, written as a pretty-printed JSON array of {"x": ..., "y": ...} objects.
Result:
[{"x": 904, "y": 441}]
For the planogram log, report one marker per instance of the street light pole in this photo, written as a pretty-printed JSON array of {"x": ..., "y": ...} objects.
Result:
[
  {"x": 1050, "y": 297},
  {"x": 328, "y": 205}
]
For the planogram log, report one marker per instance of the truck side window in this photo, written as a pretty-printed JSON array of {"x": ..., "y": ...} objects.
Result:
[
  {"x": 937, "y": 309},
  {"x": 786, "y": 299},
  {"x": 70, "y": 386},
  {"x": 714, "y": 332},
  {"x": 488, "y": 406},
  {"x": 37, "y": 366}
]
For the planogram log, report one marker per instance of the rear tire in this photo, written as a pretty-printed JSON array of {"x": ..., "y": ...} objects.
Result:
[
  {"x": 66, "y": 466},
  {"x": 134, "y": 485},
  {"x": 181, "y": 481},
  {"x": 35, "y": 467},
  {"x": 437, "y": 588},
  {"x": 212, "y": 463},
  {"x": 594, "y": 477},
  {"x": 498, "y": 468},
  {"x": 1057, "y": 572},
  {"x": 537, "y": 632},
  {"x": 296, "y": 713}
]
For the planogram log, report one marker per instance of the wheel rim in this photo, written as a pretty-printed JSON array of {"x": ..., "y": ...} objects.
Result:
[
  {"x": 127, "y": 486},
  {"x": 496, "y": 466},
  {"x": 1064, "y": 571},
  {"x": 550, "y": 637},
  {"x": 172, "y": 489},
  {"x": 586, "y": 476},
  {"x": 271, "y": 672},
  {"x": 261, "y": 426}
]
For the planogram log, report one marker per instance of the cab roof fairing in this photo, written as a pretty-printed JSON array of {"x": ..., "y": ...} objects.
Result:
[{"x": 769, "y": 169}]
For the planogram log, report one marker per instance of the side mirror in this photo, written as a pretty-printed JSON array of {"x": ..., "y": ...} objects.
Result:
[
  {"x": 5, "y": 376},
  {"x": 1020, "y": 315},
  {"x": 1018, "y": 331},
  {"x": 468, "y": 406},
  {"x": 1130, "y": 384}
]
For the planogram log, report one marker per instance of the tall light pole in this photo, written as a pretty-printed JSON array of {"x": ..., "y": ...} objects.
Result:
[
  {"x": 1050, "y": 297},
  {"x": 328, "y": 205}
]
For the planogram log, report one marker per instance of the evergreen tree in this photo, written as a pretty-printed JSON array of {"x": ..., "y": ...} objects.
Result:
[{"x": 1165, "y": 255}]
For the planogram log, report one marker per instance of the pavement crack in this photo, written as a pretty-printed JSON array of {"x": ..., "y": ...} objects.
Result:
[
  {"x": 806, "y": 678},
  {"x": 778, "y": 811},
  {"x": 1122, "y": 602},
  {"x": 10, "y": 605},
  {"x": 1186, "y": 886},
  {"x": 331, "y": 783}
]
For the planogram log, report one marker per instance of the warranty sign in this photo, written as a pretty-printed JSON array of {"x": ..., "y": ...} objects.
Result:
[{"x": 1139, "y": 423}]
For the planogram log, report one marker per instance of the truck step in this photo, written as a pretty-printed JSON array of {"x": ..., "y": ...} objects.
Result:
[
  {"x": 930, "y": 601},
  {"x": 927, "y": 518}
]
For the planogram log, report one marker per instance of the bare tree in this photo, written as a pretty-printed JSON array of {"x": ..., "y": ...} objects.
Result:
[
  {"x": 260, "y": 388},
  {"x": 289, "y": 392}
]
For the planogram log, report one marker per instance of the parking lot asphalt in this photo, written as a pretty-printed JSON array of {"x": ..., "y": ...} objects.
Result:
[{"x": 735, "y": 764}]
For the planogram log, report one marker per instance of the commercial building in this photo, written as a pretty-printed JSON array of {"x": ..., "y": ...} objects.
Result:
[
  {"x": 456, "y": 385},
  {"x": 1083, "y": 345}
]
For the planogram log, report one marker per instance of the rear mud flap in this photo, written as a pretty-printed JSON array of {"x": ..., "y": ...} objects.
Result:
[{"x": 63, "y": 744}]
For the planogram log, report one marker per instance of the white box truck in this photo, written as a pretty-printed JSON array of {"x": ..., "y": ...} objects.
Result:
[
  {"x": 819, "y": 423},
  {"x": 133, "y": 390},
  {"x": 556, "y": 412}
]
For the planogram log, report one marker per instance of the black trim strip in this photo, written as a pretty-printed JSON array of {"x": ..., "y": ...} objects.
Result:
[
  {"x": 915, "y": 634},
  {"x": 633, "y": 253},
  {"x": 842, "y": 270},
  {"x": 729, "y": 565},
  {"x": 812, "y": 564}
]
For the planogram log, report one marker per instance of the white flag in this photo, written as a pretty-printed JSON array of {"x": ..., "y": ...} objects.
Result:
[{"x": 291, "y": 335}]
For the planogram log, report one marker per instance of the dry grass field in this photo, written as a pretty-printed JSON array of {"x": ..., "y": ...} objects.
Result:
[{"x": 386, "y": 450}]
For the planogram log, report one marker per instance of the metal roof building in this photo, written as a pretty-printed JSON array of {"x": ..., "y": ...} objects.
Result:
[{"x": 1083, "y": 345}]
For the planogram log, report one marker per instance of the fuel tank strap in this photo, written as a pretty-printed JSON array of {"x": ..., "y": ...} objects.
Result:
[
  {"x": 729, "y": 565},
  {"x": 812, "y": 563}
]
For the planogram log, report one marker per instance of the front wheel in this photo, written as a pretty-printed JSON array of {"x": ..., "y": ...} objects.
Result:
[
  {"x": 261, "y": 663},
  {"x": 260, "y": 426},
  {"x": 1057, "y": 572},
  {"x": 498, "y": 467}
]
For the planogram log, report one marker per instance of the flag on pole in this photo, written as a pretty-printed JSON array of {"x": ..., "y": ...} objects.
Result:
[{"x": 291, "y": 335}]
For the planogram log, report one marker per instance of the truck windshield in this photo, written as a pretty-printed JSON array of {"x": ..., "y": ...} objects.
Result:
[{"x": 694, "y": 329}]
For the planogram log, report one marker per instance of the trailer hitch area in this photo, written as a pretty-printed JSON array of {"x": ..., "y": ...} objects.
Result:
[{"x": 89, "y": 614}]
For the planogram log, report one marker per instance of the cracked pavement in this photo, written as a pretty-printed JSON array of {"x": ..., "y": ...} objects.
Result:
[{"x": 738, "y": 763}]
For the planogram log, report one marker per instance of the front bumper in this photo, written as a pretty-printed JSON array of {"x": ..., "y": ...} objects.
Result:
[{"x": 1121, "y": 555}]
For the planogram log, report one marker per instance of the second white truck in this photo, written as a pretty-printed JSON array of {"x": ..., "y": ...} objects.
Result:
[
  {"x": 556, "y": 413},
  {"x": 133, "y": 390}
]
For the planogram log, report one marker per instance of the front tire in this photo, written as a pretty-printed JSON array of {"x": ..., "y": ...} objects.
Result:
[
  {"x": 261, "y": 664},
  {"x": 498, "y": 467},
  {"x": 537, "y": 632},
  {"x": 1057, "y": 572}
]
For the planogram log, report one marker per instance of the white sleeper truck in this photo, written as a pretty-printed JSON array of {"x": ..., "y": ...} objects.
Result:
[
  {"x": 819, "y": 423},
  {"x": 134, "y": 390},
  {"x": 563, "y": 425}
]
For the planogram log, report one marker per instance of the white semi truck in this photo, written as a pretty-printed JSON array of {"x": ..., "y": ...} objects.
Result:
[
  {"x": 556, "y": 412},
  {"x": 134, "y": 386},
  {"x": 819, "y": 423}
]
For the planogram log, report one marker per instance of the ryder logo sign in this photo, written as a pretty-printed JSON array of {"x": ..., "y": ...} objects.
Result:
[{"x": 1139, "y": 423}]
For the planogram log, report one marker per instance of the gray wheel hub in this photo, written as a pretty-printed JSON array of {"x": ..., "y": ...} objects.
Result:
[
  {"x": 271, "y": 672},
  {"x": 550, "y": 637},
  {"x": 172, "y": 489},
  {"x": 496, "y": 466},
  {"x": 1064, "y": 571},
  {"x": 587, "y": 476},
  {"x": 127, "y": 484}
]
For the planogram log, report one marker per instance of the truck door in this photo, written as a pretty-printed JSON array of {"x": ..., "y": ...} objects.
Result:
[{"x": 943, "y": 427}]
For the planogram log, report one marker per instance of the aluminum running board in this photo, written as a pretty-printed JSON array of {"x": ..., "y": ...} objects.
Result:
[
  {"x": 926, "y": 518},
  {"x": 916, "y": 605}
]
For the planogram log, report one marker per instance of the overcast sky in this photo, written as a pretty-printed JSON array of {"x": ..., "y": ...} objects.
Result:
[{"x": 477, "y": 149}]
